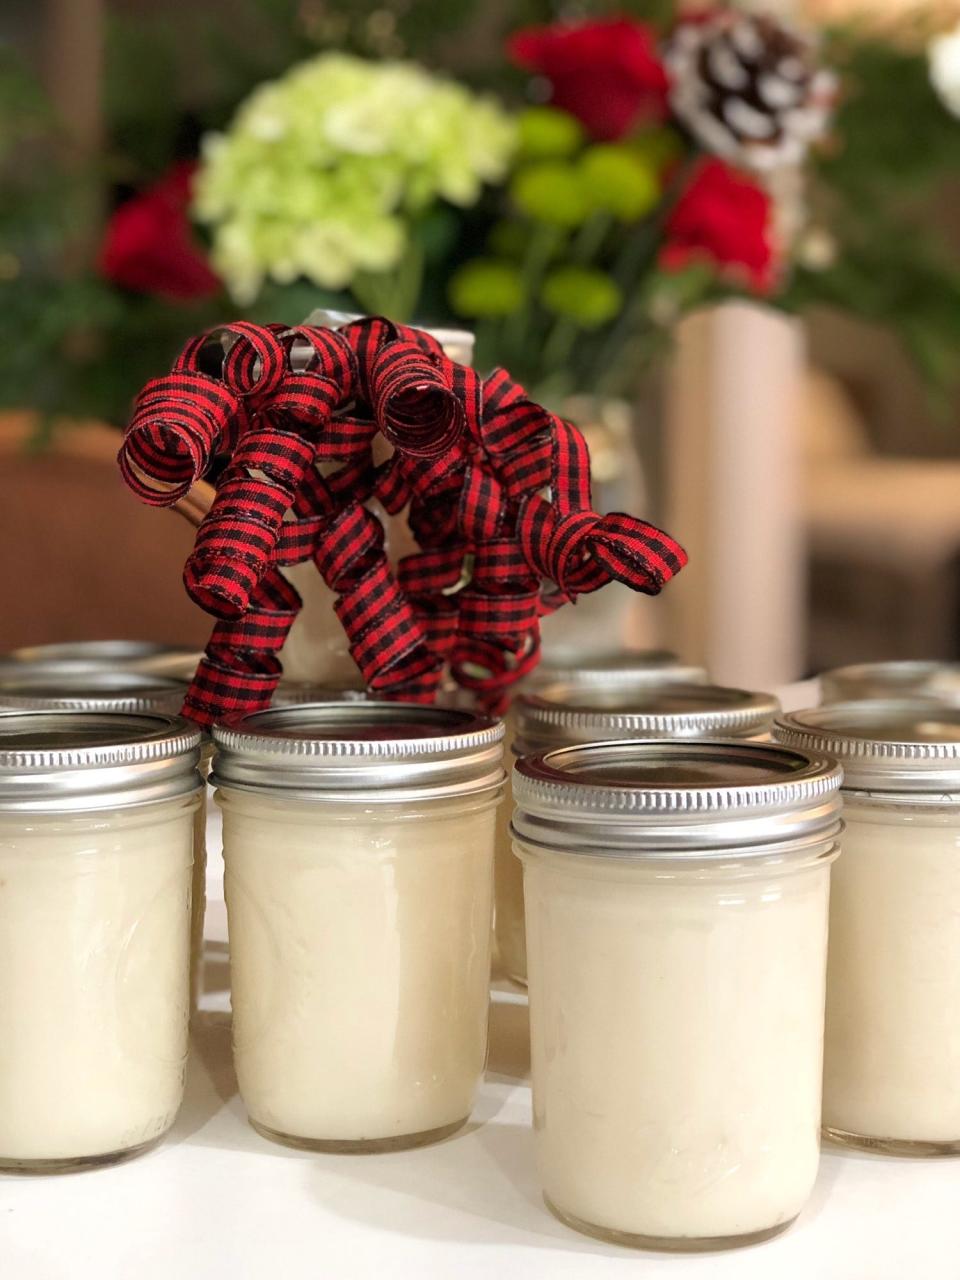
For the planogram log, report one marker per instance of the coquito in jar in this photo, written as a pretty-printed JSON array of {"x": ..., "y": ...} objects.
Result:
[
  {"x": 71, "y": 684},
  {"x": 676, "y": 899},
  {"x": 630, "y": 702},
  {"x": 96, "y": 846},
  {"x": 358, "y": 846},
  {"x": 892, "y": 1060}
]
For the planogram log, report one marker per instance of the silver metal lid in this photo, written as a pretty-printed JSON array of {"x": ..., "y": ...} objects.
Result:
[
  {"x": 63, "y": 761},
  {"x": 887, "y": 745},
  {"x": 564, "y": 713},
  {"x": 59, "y": 687},
  {"x": 919, "y": 679},
  {"x": 677, "y": 799},
  {"x": 606, "y": 666},
  {"x": 289, "y": 694},
  {"x": 133, "y": 655},
  {"x": 366, "y": 752}
]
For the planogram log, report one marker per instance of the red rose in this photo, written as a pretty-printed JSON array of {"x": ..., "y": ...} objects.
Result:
[
  {"x": 149, "y": 245},
  {"x": 607, "y": 74},
  {"x": 724, "y": 218}
]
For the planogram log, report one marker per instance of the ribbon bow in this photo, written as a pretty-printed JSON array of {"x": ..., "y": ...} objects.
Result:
[{"x": 497, "y": 491}]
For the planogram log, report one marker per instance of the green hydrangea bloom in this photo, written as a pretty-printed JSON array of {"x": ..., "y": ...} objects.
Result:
[
  {"x": 486, "y": 288},
  {"x": 618, "y": 181},
  {"x": 587, "y": 296},
  {"x": 546, "y": 133},
  {"x": 321, "y": 171}
]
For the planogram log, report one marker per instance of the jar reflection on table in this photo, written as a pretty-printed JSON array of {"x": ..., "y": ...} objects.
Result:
[
  {"x": 892, "y": 1056},
  {"x": 624, "y": 702},
  {"x": 96, "y": 846},
  {"x": 676, "y": 970},
  {"x": 358, "y": 846}
]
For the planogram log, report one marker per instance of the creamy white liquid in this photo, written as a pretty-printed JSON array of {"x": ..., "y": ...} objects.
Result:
[
  {"x": 677, "y": 1034},
  {"x": 360, "y": 963},
  {"x": 198, "y": 900},
  {"x": 94, "y": 979},
  {"x": 508, "y": 916},
  {"x": 892, "y": 1060}
]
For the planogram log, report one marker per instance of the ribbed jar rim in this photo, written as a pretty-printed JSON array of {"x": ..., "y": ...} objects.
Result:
[
  {"x": 53, "y": 686},
  {"x": 62, "y": 761},
  {"x": 660, "y": 798},
  {"x": 909, "y": 745},
  {"x": 564, "y": 713},
  {"x": 911, "y": 678},
  {"x": 134, "y": 655},
  {"x": 608, "y": 667},
  {"x": 365, "y": 752}
]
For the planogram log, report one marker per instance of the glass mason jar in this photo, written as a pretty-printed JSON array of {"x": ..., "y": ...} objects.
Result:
[
  {"x": 892, "y": 1057},
  {"x": 870, "y": 680},
  {"x": 96, "y": 845},
  {"x": 358, "y": 845},
  {"x": 66, "y": 685},
  {"x": 627, "y": 703},
  {"x": 676, "y": 897}
]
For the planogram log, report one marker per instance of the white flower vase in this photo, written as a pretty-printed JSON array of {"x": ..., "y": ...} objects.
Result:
[{"x": 734, "y": 494}]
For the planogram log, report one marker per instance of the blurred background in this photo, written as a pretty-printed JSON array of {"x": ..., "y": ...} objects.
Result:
[{"x": 724, "y": 242}]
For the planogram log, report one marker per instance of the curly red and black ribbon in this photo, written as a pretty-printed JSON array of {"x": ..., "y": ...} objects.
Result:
[{"x": 497, "y": 491}]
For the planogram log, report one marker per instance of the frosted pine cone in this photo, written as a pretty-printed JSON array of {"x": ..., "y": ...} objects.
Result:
[{"x": 748, "y": 88}]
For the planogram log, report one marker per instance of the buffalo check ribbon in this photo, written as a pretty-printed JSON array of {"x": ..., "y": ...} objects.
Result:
[{"x": 496, "y": 489}]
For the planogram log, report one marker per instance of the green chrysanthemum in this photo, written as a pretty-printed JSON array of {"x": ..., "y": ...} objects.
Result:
[
  {"x": 546, "y": 133},
  {"x": 321, "y": 171},
  {"x": 486, "y": 288},
  {"x": 619, "y": 182},
  {"x": 588, "y": 297},
  {"x": 551, "y": 192}
]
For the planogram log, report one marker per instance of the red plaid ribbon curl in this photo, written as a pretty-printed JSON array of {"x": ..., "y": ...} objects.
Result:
[{"x": 497, "y": 491}]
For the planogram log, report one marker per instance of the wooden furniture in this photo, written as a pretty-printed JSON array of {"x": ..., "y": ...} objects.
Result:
[{"x": 81, "y": 558}]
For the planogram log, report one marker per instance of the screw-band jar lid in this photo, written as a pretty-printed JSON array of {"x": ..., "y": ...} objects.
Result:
[
  {"x": 62, "y": 761},
  {"x": 134, "y": 655},
  {"x": 886, "y": 745},
  {"x": 291, "y": 693},
  {"x": 669, "y": 798},
  {"x": 906, "y": 679},
  {"x": 608, "y": 667},
  {"x": 568, "y": 713},
  {"x": 55, "y": 686},
  {"x": 360, "y": 751}
]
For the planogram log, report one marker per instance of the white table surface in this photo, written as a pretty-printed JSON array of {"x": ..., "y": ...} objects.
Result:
[{"x": 217, "y": 1202}]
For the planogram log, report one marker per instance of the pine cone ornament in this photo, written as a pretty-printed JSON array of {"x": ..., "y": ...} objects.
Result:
[{"x": 748, "y": 88}]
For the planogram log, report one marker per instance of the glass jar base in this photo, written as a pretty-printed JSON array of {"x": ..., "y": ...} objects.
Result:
[
  {"x": 75, "y": 1164},
  {"x": 360, "y": 1146},
  {"x": 671, "y": 1244},
  {"x": 891, "y": 1146}
]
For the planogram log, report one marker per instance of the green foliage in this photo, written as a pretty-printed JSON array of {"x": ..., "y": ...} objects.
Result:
[{"x": 876, "y": 191}]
